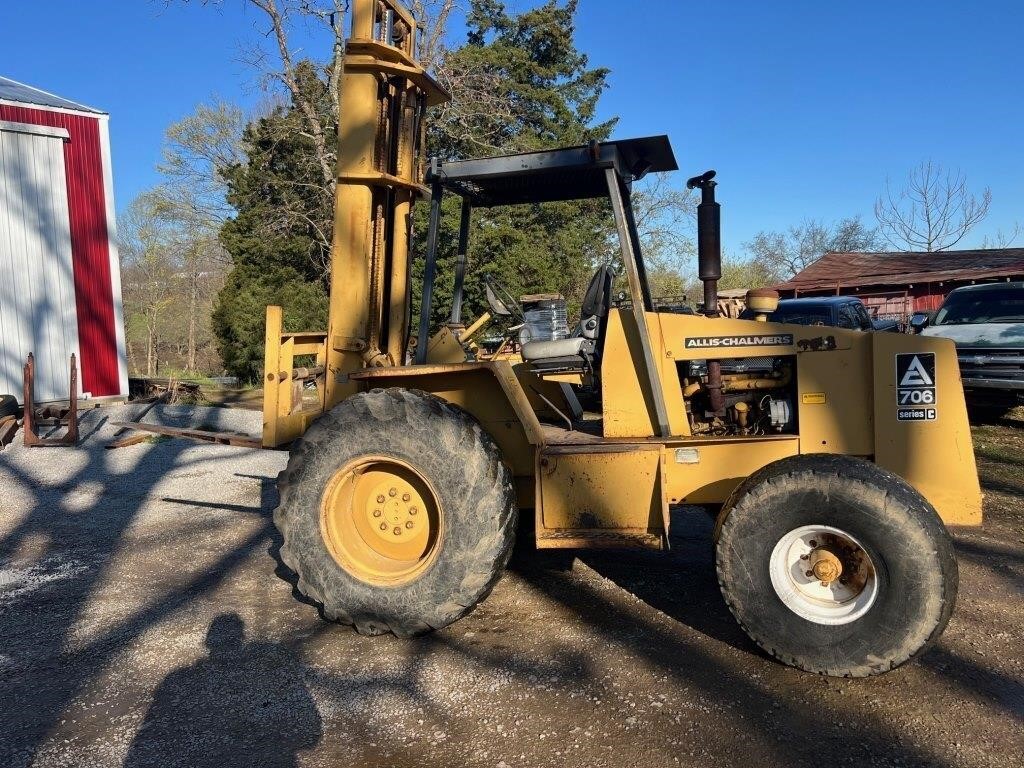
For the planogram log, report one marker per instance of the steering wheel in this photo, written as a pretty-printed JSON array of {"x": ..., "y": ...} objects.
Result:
[{"x": 502, "y": 302}]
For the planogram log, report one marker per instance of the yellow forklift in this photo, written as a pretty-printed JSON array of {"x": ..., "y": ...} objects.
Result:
[{"x": 835, "y": 458}]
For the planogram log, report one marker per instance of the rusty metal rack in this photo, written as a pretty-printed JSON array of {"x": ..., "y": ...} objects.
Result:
[{"x": 49, "y": 416}]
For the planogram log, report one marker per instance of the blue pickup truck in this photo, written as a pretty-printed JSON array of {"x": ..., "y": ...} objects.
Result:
[{"x": 836, "y": 311}]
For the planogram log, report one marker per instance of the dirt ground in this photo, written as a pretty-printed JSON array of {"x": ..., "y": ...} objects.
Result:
[{"x": 144, "y": 621}]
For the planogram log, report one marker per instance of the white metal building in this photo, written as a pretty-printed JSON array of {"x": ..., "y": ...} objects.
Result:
[{"x": 60, "y": 283}]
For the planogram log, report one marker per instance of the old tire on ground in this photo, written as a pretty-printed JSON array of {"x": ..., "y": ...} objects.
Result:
[
  {"x": 8, "y": 406},
  {"x": 397, "y": 512},
  {"x": 788, "y": 523}
]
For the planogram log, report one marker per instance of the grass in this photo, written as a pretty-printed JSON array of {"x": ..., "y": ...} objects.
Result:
[
  {"x": 999, "y": 450},
  {"x": 1002, "y": 441}
]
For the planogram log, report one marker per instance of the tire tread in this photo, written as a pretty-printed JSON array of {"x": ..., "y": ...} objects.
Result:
[{"x": 416, "y": 415}]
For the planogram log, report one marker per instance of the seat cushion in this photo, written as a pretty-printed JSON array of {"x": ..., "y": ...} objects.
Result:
[{"x": 539, "y": 350}]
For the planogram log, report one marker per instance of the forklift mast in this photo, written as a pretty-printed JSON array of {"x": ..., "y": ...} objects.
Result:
[{"x": 385, "y": 92}]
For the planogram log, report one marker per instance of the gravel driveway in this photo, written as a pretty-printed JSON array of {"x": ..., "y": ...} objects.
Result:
[{"x": 145, "y": 621}]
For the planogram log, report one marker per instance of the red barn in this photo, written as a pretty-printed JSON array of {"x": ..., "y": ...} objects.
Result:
[
  {"x": 60, "y": 281},
  {"x": 898, "y": 284}
]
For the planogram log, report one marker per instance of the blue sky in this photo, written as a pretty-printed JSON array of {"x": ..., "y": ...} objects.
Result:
[{"x": 804, "y": 108}]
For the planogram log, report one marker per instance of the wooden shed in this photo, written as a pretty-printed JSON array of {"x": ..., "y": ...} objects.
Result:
[{"x": 898, "y": 284}]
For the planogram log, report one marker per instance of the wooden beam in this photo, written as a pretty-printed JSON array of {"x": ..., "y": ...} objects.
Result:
[{"x": 201, "y": 435}]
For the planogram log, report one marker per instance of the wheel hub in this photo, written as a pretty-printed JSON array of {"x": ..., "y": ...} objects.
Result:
[
  {"x": 825, "y": 565},
  {"x": 381, "y": 520},
  {"x": 393, "y": 510},
  {"x": 823, "y": 574}
]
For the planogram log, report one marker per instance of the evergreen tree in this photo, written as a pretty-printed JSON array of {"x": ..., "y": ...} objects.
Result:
[
  {"x": 279, "y": 239},
  {"x": 533, "y": 61}
]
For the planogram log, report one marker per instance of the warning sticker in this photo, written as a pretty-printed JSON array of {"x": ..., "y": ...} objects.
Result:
[{"x": 915, "y": 386}]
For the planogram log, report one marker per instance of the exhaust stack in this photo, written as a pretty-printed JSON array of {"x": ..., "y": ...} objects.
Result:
[
  {"x": 709, "y": 269},
  {"x": 709, "y": 239}
]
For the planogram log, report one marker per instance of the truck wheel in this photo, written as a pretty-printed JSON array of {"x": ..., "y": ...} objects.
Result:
[
  {"x": 397, "y": 512},
  {"x": 835, "y": 566},
  {"x": 8, "y": 406}
]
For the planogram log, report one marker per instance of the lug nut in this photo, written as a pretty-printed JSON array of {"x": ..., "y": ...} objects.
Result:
[
  {"x": 405, "y": 497},
  {"x": 804, "y": 557},
  {"x": 383, "y": 526},
  {"x": 393, "y": 492},
  {"x": 397, "y": 531},
  {"x": 377, "y": 513},
  {"x": 380, "y": 499},
  {"x": 809, "y": 574},
  {"x": 812, "y": 542},
  {"x": 413, "y": 510},
  {"x": 408, "y": 523}
]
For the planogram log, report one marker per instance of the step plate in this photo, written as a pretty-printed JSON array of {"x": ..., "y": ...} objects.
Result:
[{"x": 599, "y": 538}]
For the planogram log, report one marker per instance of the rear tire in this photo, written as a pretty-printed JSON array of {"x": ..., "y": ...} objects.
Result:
[
  {"x": 447, "y": 470},
  {"x": 899, "y": 580}
]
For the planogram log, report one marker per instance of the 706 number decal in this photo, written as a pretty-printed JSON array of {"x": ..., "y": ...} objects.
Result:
[
  {"x": 916, "y": 396},
  {"x": 915, "y": 386}
]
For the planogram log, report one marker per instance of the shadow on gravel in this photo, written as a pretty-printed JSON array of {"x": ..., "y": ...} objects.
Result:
[
  {"x": 985, "y": 552},
  {"x": 989, "y": 483},
  {"x": 46, "y": 669},
  {"x": 976, "y": 681},
  {"x": 995, "y": 558},
  {"x": 243, "y": 698},
  {"x": 683, "y": 587}
]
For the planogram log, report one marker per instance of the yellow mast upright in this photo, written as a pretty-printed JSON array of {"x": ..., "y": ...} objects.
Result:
[{"x": 384, "y": 94}]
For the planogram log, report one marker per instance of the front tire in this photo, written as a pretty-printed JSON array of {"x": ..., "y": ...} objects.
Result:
[
  {"x": 835, "y": 566},
  {"x": 397, "y": 512}
]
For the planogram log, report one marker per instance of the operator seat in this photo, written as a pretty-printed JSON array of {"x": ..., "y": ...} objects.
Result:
[{"x": 578, "y": 351}]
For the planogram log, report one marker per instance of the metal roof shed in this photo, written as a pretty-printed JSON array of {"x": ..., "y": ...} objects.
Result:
[
  {"x": 60, "y": 281},
  {"x": 897, "y": 284}
]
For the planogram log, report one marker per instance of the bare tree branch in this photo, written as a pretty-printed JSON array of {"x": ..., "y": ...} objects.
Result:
[
  {"x": 287, "y": 75},
  {"x": 933, "y": 212},
  {"x": 1003, "y": 239},
  {"x": 783, "y": 254}
]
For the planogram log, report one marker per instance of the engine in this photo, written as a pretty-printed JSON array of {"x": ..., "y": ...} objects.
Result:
[{"x": 758, "y": 395}]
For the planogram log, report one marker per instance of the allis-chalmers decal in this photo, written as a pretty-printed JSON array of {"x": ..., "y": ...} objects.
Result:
[{"x": 759, "y": 340}]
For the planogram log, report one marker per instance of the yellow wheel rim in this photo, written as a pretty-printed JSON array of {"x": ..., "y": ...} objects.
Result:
[{"x": 381, "y": 520}]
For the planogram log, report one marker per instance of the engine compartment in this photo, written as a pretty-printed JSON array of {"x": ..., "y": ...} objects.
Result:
[{"x": 758, "y": 394}]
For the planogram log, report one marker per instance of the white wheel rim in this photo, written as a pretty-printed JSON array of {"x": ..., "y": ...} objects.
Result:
[{"x": 841, "y": 601}]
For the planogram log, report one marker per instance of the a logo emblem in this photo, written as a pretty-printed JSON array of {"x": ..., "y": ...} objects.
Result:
[
  {"x": 915, "y": 386},
  {"x": 916, "y": 375}
]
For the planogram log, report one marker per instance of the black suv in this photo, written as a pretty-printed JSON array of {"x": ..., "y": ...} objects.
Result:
[{"x": 836, "y": 311}]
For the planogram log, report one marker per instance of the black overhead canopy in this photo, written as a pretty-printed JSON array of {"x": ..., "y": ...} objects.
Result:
[{"x": 570, "y": 173}]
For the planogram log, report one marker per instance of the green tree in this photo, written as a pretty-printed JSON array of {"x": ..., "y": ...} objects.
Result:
[
  {"x": 279, "y": 237},
  {"x": 745, "y": 274},
  {"x": 530, "y": 61}
]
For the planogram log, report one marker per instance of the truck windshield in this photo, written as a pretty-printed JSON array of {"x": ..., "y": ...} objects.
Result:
[{"x": 988, "y": 305}]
